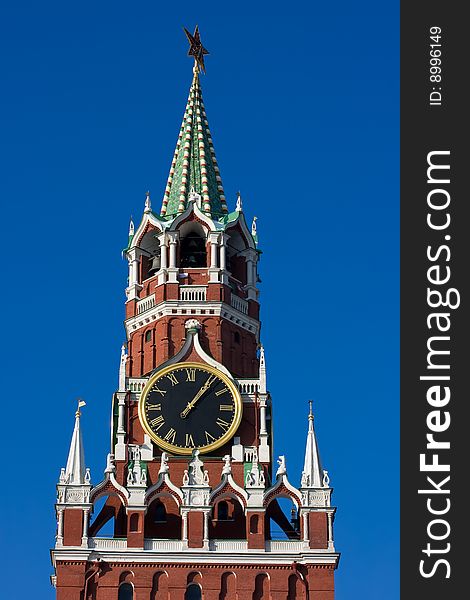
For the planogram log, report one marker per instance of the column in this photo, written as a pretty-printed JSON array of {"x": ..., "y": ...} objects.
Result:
[
  {"x": 331, "y": 545},
  {"x": 121, "y": 405},
  {"x": 213, "y": 253},
  {"x": 163, "y": 253},
  {"x": 173, "y": 243},
  {"x": 305, "y": 526},
  {"x": 223, "y": 260},
  {"x": 134, "y": 287},
  {"x": 163, "y": 259},
  {"x": 184, "y": 533},
  {"x": 172, "y": 269},
  {"x": 249, "y": 271},
  {"x": 86, "y": 512},
  {"x": 206, "y": 526},
  {"x": 60, "y": 527},
  {"x": 214, "y": 269},
  {"x": 262, "y": 417},
  {"x": 135, "y": 270}
]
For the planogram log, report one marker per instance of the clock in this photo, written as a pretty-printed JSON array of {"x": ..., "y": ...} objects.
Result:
[{"x": 190, "y": 405}]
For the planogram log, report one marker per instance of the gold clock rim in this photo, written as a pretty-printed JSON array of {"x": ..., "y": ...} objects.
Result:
[{"x": 203, "y": 449}]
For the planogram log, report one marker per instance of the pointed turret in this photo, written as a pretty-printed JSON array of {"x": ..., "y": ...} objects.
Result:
[
  {"x": 312, "y": 475},
  {"x": 75, "y": 470},
  {"x": 194, "y": 166}
]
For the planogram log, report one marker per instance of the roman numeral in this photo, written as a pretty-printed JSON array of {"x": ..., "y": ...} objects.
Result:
[
  {"x": 172, "y": 378},
  {"x": 160, "y": 421},
  {"x": 170, "y": 436},
  {"x": 227, "y": 407},
  {"x": 154, "y": 406},
  {"x": 190, "y": 374},
  {"x": 223, "y": 424},
  {"x": 157, "y": 389},
  {"x": 220, "y": 392},
  {"x": 189, "y": 443},
  {"x": 209, "y": 438}
]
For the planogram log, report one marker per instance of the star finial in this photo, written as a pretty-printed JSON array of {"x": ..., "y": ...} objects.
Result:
[{"x": 196, "y": 48}]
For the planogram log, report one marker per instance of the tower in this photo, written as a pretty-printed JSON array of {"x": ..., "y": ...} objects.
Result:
[{"x": 190, "y": 490}]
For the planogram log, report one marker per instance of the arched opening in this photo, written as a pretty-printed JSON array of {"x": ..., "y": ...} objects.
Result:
[
  {"x": 160, "y": 586},
  {"x": 163, "y": 520},
  {"x": 193, "y": 592},
  {"x": 134, "y": 523},
  {"x": 222, "y": 511},
  {"x": 228, "y": 587},
  {"x": 236, "y": 262},
  {"x": 296, "y": 589},
  {"x": 193, "y": 250},
  {"x": 110, "y": 518},
  {"x": 262, "y": 591},
  {"x": 281, "y": 519},
  {"x": 160, "y": 512},
  {"x": 126, "y": 591},
  {"x": 151, "y": 255},
  {"x": 254, "y": 524},
  {"x": 229, "y": 520}
]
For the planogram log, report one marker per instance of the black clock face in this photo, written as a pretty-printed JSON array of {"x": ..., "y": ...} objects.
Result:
[{"x": 189, "y": 405}]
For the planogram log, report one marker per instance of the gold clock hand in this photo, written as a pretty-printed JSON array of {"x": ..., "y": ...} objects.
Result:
[{"x": 203, "y": 389}]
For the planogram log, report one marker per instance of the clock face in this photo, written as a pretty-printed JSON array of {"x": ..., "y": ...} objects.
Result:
[{"x": 190, "y": 405}]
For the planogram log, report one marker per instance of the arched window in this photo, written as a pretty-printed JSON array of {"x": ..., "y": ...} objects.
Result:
[
  {"x": 160, "y": 512},
  {"x": 134, "y": 523},
  {"x": 193, "y": 251},
  {"x": 254, "y": 520},
  {"x": 193, "y": 592},
  {"x": 126, "y": 592},
  {"x": 222, "y": 511}
]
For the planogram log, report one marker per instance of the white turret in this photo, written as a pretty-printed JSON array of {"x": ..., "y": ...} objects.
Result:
[
  {"x": 312, "y": 475},
  {"x": 75, "y": 471}
]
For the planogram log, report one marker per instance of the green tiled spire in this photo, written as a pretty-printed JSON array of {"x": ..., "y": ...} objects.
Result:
[{"x": 194, "y": 167}]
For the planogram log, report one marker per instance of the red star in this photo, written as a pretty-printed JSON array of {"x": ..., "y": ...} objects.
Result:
[{"x": 196, "y": 48}]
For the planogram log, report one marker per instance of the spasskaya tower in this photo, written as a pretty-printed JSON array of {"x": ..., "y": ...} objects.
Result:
[{"x": 190, "y": 506}]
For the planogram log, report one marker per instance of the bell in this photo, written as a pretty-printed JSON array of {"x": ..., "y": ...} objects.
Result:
[{"x": 155, "y": 263}]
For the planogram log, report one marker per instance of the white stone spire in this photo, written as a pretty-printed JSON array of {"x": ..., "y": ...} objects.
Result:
[
  {"x": 75, "y": 471},
  {"x": 312, "y": 475},
  {"x": 148, "y": 203},
  {"x": 239, "y": 206}
]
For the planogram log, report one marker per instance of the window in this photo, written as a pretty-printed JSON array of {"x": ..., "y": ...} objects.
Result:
[
  {"x": 148, "y": 336},
  {"x": 236, "y": 337},
  {"x": 160, "y": 512},
  {"x": 193, "y": 251},
  {"x": 222, "y": 511},
  {"x": 193, "y": 592},
  {"x": 134, "y": 523},
  {"x": 126, "y": 592}
]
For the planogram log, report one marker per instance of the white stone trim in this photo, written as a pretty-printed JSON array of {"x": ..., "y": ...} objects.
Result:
[
  {"x": 192, "y": 310},
  {"x": 221, "y": 551}
]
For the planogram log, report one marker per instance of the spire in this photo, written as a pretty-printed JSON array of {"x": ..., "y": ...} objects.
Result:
[
  {"x": 239, "y": 205},
  {"x": 312, "y": 475},
  {"x": 148, "y": 203},
  {"x": 75, "y": 471},
  {"x": 194, "y": 165}
]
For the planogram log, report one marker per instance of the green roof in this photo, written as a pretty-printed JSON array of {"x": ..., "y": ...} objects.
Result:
[{"x": 194, "y": 167}]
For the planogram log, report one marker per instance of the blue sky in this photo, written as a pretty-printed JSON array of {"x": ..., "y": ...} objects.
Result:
[{"x": 303, "y": 107}]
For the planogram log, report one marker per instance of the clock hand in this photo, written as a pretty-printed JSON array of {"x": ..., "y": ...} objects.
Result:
[{"x": 184, "y": 413}]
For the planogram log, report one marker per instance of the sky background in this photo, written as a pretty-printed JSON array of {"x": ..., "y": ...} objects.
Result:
[{"x": 302, "y": 101}]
